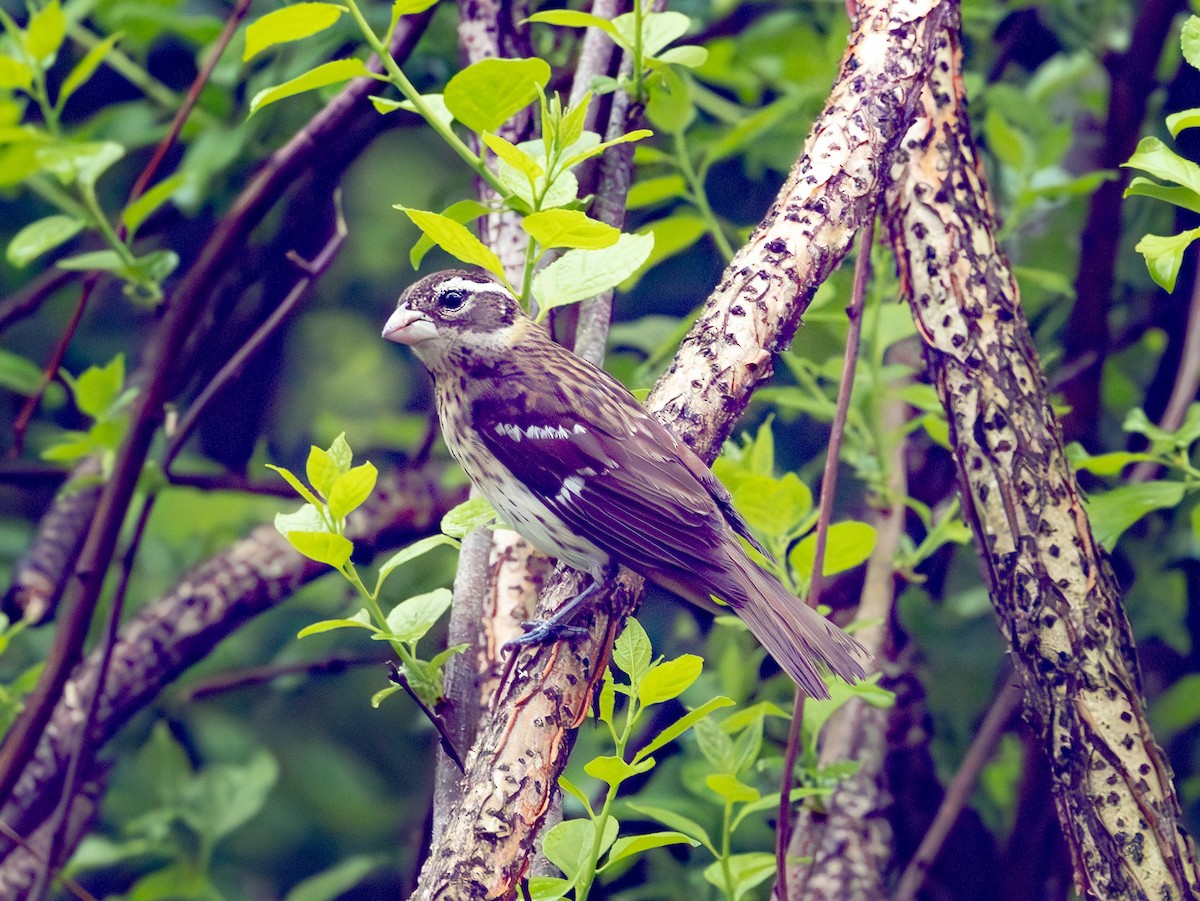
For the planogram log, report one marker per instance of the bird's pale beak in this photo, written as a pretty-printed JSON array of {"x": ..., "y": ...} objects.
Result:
[{"x": 407, "y": 326}]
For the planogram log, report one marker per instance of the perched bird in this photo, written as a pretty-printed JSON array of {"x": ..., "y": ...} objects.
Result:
[{"x": 574, "y": 464}]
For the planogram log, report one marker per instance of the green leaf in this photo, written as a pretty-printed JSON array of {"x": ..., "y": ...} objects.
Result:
[
  {"x": 682, "y": 725},
  {"x": 468, "y": 515},
  {"x": 1183, "y": 120},
  {"x": 455, "y": 239},
  {"x": 670, "y": 108},
  {"x": 631, "y": 652},
  {"x": 486, "y": 94},
  {"x": 322, "y": 470},
  {"x": 97, "y": 388},
  {"x": 326, "y": 74},
  {"x": 1007, "y": 144},
  {"x": 86, "y": 67},
  {"x": 658, "y": 29},
  {"x": 569, "y": 228},
  {"x": 411, "y": 619},
  {"x": 613, "y": 770},
  {"x": 412, "y": 552},
  {"x": 514, "y": 156},
  {"x": 669, "y": 679},
  {"x": 324, "y": 547},
  {"x": 1173, "y": 194},
  {"x": 81, "y": 162},
  {"x": 45, "y": 32},
  {"x": 714, "y": 744},
  {"x": 1177, "y": 708},
  {"x": 1164, "y": 255},
  {"x": 360, "y": 620},
  {"x": 574, "y": 791},
  {"x": 636, "y": 844},
  {"x": 15, "y": 73},
  {"x": 607, "y": 701},
  {"x": 731, "y": 789},
  {"x": 463, "y": 212},
  {"x": 773, "y": 507},
  {"x": 18, "y": 374},
  {"x": 38, "y": 237},
  {"x": 748, "y": 871},
  {"x": 289, "y": 24},
  {"x": 571, "y": 19},
  {"x": 848, "y": 544},
  {"x": 299, "y": 487},
  {"x": 1189, "y": 40},
  {"x": 409, "y": 7},
  {"x": 591, "y": 150},
  {"x": 689, "y": 55},
  {"x": 1112, "y": 512},
  {"x": 580, "y": 274},
  {"x": 1109, "y": 464},
  {"x": 748, "y": 745},
  {"x": 568, "y": 845},
  {"x": 351, "y": 489},
  {"x": 651, "y": 191},
  {"x": 675, "y": 821},
  {"x": 331, "y": 884},
  {"x": 144, "y": 207},
  {"x": 307, "y": 519},
  {"x": 1155, "y": 157}
]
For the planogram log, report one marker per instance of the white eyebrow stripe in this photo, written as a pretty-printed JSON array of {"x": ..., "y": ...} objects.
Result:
[{"x": 458, "y": 283}]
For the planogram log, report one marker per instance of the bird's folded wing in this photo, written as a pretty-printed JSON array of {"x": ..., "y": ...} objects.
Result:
[{"x": 625, "y": 492}]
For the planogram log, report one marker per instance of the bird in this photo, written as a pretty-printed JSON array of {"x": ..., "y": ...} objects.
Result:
[{"x": 574, "y": 464}]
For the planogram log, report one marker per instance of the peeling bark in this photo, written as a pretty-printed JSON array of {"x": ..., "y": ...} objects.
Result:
[{"x": 1057, "y": 599}]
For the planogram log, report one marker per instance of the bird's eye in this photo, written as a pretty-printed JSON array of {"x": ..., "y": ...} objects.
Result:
[{"x": 452, "y": 300}]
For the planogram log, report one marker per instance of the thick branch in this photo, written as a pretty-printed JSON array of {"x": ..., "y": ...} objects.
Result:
[{"x": 1058, "y": 601}]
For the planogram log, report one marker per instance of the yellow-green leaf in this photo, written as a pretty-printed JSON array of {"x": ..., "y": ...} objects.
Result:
[
  {"x": 85, "y": 67},
  {"x": 455, "y": 239},
  {"x": 45, "y": 33},
  {"x": 580, "y": 274},
  {"x": 14, "y": 73},
  {"x": 847, "y": 545},
  {"x": 351, "y": 489},
  {"x": 514, "y": 156},
  {"x": 289, "y": 24},
  {"x": 324, "y": 547},
  {"x": 569, "y": 228},
  {"x": 409, "y": 7},
  {"x": 38, "y": 237},
  {"x": 322, "y": 470},
  {"x": 326, "y": 74},
  {"x": 485, "y": 95}
]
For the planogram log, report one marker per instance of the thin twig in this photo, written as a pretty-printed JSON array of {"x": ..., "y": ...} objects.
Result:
[
  {"x": 230, "y": 481},
  {"x": 259, "y": 675},
  {"x": 400, "y": 679},
  {"x": 959, "y": 790},
  {"x": 854, "y": 313},
  {"x": 30, "y": 298},
  {"x": 234, "y": 365},
  {"x": 21, "y": 423}
]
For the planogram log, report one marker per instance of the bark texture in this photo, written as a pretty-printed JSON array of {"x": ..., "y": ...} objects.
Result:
[
  {"x": 512, "y": 770},
  {"x": 1057, "y": 599}
]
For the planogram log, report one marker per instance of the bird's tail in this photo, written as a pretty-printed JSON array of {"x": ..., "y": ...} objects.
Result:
[{"x": 801, "y": 640}]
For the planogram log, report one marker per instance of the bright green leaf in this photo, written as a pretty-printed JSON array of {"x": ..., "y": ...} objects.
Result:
[
  {"x": 468, "y": 515},
  {"x": 144, "y": 207},
  {"x": 607, "y": 700},
  {"x": 14, "y": 73},
  {"x": 38, "y": 237},
  {"x": 412, "y": 552},
  {"x": 361, "y": 620},
  {"x": 462, "y": 212},
  {"x": 1155, "y": 157},
  {"x": 631, "y": 652},
  {"x": 847, "y": 545},
  {"x": 669, "y": 679},
  {"x": 514, "y": 156},
  {"x": 79, "y": 162},
  {"x": 322, "y": 470},
  {"x": 569, "y": 228},
  {"x": 682, "y": 725},
  {"x": 85, "y": 68},
  {"x": 326, "y": 74},
  {"x": 675, "y": 821},
  {"x": 636, "y": 844},
  {"x": 1189, "y": 40},
  {"x": 324, "y": 547},
  {"x": 411, "y": 619},
  {"x": 45, "y": 32},
  {"x": 289, "y": 24},
  {"x": 689, "y": 55},
  {"x": 571, "y": 19},
  {"x": 456, "y": 240},
  {"x": 652, "y": 191},
  {"x": 1173, "y": 194},
  {"x": 409, "y": 8},
  {"x": 1164, "y": 255},
  {"x": 580, "y": 274},
  {"x": 1112, "y": 512},
  {"x": 1183, "y": 120},
  {"x": 351, "y": 489},
  {"x": 18, "y": 374},
  {"x": 574, "y": 791},
  {"x": 614, "y": 770},
  {"x": 747, "y": 871},
  {"x": 98, "y": 387},
  {"x": 731, "y": 789},
  {"x": 670, "y": 108},
  {"x": 297, "y": 485},
  {"x": 487, "y": 93}
]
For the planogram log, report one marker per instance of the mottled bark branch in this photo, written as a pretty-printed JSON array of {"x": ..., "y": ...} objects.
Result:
[
  {"x": 1057, "y": 599},
  {"x": 522, "y": 748}
]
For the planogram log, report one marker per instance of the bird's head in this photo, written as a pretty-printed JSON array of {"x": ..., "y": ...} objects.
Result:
[{"x": 456, "y": 313}]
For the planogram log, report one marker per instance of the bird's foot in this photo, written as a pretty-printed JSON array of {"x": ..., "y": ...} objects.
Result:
[{"x": 545, "y": 631}]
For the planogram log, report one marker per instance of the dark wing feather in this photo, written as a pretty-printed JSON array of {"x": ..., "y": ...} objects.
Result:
[{"x": 630, "y": 493}]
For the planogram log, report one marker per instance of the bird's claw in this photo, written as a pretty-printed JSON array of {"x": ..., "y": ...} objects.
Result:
[{"x": 544, "y": 631}]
